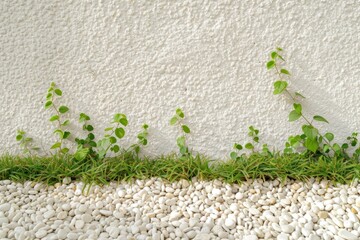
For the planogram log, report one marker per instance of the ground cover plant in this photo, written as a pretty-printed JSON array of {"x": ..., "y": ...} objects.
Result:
[{"x": 309, "y": 154}]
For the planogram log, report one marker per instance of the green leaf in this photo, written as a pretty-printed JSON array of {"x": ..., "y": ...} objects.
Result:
[
  {"x": 83, "y": 117},
  {"x": 183, "y": 150},
  {"x": 118, "y": 117},
  {"x": 180, "y": 113},
  {"x": 145, "y": 126},
  {"x": 311, "y": 144},
  {"x": 56, "y": 145},
  {"x": 284, "y": 71},
  {"x": 256, "y": 139},
  {"x": 310, "y": 132},
  {"x": 112, "y": 140},
  {"x": 116, "y": 148},
  {"x": 233, "y": 155},
  {"x": 298, "y": 108},
  {"x": 173, "y": 120},
  {"x": 337, "y": 148},
  {"x": 279, "y": 49},
  {"x": 65, "y": 123},
  {"x": 63, "y": 109},
  {"x": 180, "y": 141},
  {"x": 89, "y": 128},
  {"x": 137, "y": 149},
  {"x": 19, "y": 137},
  {"x": 124, "y": 122},
  {"x": 249, "y": 146},
  {"x": 54, "y": 118},
  {"x": 48, "y": 96},
  {"x": 81, "y": 154},
  {"x": 279, "y": 87},
  {"x": 66, "y": 134},
  {"x": 345, "y": 146},
  {"x": 28, "y": 139},
  {"x": 120, "y": 132},
  {"x": 326, "y": 148},
  {"x": 274, "y": 55},
  {"x": 294, "y": 115},
  {"x": 92, "y": 144},
  {"x": 64, "y": 150},
  {"x": 48, "y": 104},
  {"x": 185, "y": 128},
  {"x": 144, "y": 141},
  {"x": 60, "y": 132},
  {"x": 238, "y": 146},
  {"x": 320, "y": 119},
  {"x": 91, "y": 136},
  {"x": 329, "y": 136},
  {"x": 270, "y": 64},
  {"x": 299, "y": 95},
  {"x": 109, "y": 129},
  {"x": 58, "y": 92}
]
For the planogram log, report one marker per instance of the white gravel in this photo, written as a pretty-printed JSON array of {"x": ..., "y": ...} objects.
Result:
[{"x": 153, "y": 209}]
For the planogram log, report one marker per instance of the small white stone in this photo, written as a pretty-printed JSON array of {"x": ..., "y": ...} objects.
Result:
[
  {"x": 86, "y": 218},
  {"x": 174, "y": 216},
  {"x": 66, "y": 207},
  {"x": 49, "y": 214},
  {"x": 250, "y": 237},
  {"x": 230, "y": 223},
  {"x": 134, "y": 229},
  {"x": 62, "y": 233},
  {"x": 346, "y": 234},
  {"x": 313, "y": 237},
  {"x": 3, "y": 220},
  {"x": 113, "y": 232},
  {"x": 282, "y": 236},
  {"x": 287, "y": 228},
  {"x": 216, "y": 192},
  {"x": 121, "y": 193},
  {"x": 254, "y": 211},
  {"x": 67, "y": 180},
  {"x": 105, "y": 212},
  {"x": 239, "y": 196},
  {"x": 5, "y": 207},
  {"x": 203, "y": 236},
  {"x": 191, "y": 234},
  {"x": 62, "y": 215},
  {"x": 79, "y": 224},
  {"x": 41, "y": 233},
  {"x": 82, "y": 208}
]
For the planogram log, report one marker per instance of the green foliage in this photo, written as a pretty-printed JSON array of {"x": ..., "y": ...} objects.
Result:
[
  {"x": 86, "y": 147},
  {"x": 26, "y": 143},
  {"x": 114, "y": 133},
  {"x": 238, "y": 148},
  {"x": 53, "y": 94},
  {"x": 177, "y": 119},
  {"x": 142, "y": 140},
  {"x": 310, "y": 139}
]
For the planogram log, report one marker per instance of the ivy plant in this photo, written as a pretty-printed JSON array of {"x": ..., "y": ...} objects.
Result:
[
  {"x": 26, "y": 143},
  {"x": 53, "y": 94},
  {"x": 142, "y": 140},
  {"x": 177, "y": 119}
]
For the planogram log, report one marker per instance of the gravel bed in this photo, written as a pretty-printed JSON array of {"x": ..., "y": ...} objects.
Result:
[{"x": 154, "y": 209}]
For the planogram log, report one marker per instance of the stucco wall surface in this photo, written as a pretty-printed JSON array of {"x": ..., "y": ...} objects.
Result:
[{"x": 146, "y": 58}]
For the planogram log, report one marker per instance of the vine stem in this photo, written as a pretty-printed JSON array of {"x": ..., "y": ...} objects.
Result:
[
  {"x": 112, "y": 132},
  {"x": 58, "y": 120},
  {"x": 302, "y": 115}
]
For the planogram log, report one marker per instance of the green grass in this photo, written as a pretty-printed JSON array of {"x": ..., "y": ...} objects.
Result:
[{"x": 127, "y": 167}]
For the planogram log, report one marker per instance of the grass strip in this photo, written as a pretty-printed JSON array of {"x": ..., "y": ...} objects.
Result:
[{"x": 171, "y": 168}]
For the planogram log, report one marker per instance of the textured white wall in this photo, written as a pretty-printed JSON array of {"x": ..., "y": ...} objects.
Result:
[{"x": 146, "y": 58}]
